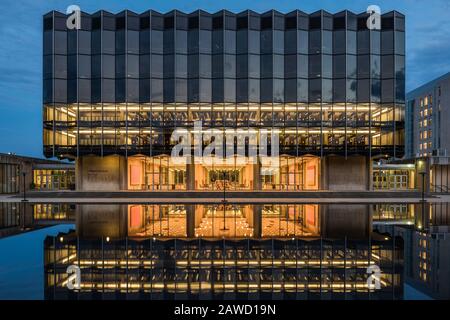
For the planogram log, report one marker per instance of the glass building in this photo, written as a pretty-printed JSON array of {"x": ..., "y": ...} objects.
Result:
[{"x": 115, "y": 90}]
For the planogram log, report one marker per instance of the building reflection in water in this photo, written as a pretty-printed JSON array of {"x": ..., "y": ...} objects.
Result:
[{"x": 224, "y": 252}]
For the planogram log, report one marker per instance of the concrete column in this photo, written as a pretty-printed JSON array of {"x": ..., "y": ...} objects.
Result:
[
  {"x": 346, "y": 174},
  {"x": 190, "y": 175},
  {"x": 339, "y": 220},
  {"x": 257, "y": 221},
  {"x": 423, "y": 165},
  {"x": 101, "y": 173},
  {"x": 257, "y": 185},
  {"x": 323, "y": 174},
  {"x": 190, "y": 220}
]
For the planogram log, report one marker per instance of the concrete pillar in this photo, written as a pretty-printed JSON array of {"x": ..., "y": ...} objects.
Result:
[
  {"x": 346, "y": 174},
  {"x": 257, "y": 183},
  {"x": 257, "y": 221},
  {"x": 339, "y": 220},
  {"x": 100, "y": 220},
  {"x": 190, "y": 220},
  {"x": 101, "y": 173},
  {"x": 190, "y": 175}
]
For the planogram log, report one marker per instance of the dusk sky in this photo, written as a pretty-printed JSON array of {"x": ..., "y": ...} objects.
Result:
[{"x": 427, "y": 48}]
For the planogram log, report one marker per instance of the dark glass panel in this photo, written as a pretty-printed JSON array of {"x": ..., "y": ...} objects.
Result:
[
  {"x": 399, "y": 42},
  {"x": 120, "y": 66},
  {"x": 315, "y": 42},
  {"x": 96, "y": 92},
  {"x": 327, "y": 90},
  {"x": 315, "y": 90},
  {"x": 242, "y": 41},
  {"x": 303, "y": 41},
  {"x": 278, "y": 90},
  {"x": 84, "y": 68},
  {"x": 194, "y": 65},
  {"x": 72, "y": 67},
  {"x": 193, "y": 90},
  {"x": 60, "y": 91},
  {"x": 302, "y": 66},
  {"x": 266, "y": 90},
  {"x": 339, "y": 90},
  {"x": 254, "y": 66},
  {"x": 229, "y": 90},
  {"x": 351, "y": 42},
  {"x": 144, "y": 90},
  {"x": 120, "y": 90},
  {"x": 278, "y": 66},
  {"x": 72, "y": 91},
  {"x": 204, "y": 63},
  {"x": 156, "y": 90},
  {"x": 144, "y": 42},
  {"x": 387, "y": 90},
  {"x": 48, "y": 67},
  {"x": 387, "y": 67},
  {"x": 340, "y": 66},
  {"x": 133, "y": 42},
  {"x": 169, "y": 66},
  {"x": 169, "y": 41},
  {"x": 60, "y": 45},
  {"x": 363, "y": 66},
  {"x": 363, "y": 90},
  {"x": 60, "y": 67},
  {"x": 229, "y": 66},
  {"x": 242, "y": 90},
  {"x": 387, "y": 42},
  {"x": 71, "y": 42},
  {"x": 144, "y": 66},
  {"x": 266, "y": 66},
  {"x": 315, "y": 66},
  {"x": 230, "y": 41},
  {"x": 48, "y": 42},
  {"x": 84, "y": 92},
  {"x": 181, "y": 66},
  {"x": 375, "y": 66},
  {"x": 291, "y": 41},
  {"x": 96, "y": 66},
  {"x": 108, "y": 90},
  {"x": 181, "y": 90},
  {"x": 278, "y": 41},
  {"x": 364, "y": 42},
  {"x": 109, "y": 42},
  {"x": 48, "y": 91},
  {"x": 242, "y": 66},
  {"x": 327, "y": 42},
  {"x": 169, "y": 90},
  {"x": 217, "y": 66},
  {"x": 205, "y": 41},
  {"x": 254, "y": 90},
  {"x": 217, "y": 90},
  {"x": 157, "y": 63},
  {"x": 84, "y": 42},
  {"x": 157, "y": 41},
  {"x": 290, "y": 66},
  {"x": 120, "y": 42},
  {"x": 302, "y": 90},
  {"x": 96, "y": 42},
  {"x": 132, "y": 66},
  {"x": 133, "y": 90},
  {"x": 376, "y": 90},
  {"x": 327, "y": 66},
  {"x": 217, "y": 41},
  {"x": 352, "y": 86},
  {"x": 351, "y": 66},
  {"x": 254, "y": 41},
  {"x": 290, "y": 90},
  {"x": 266, "y": 41},
  {"x": 375, "y": 42},
  {"x": 340, "y": 45},
  {"x": 205, "y": 87}
]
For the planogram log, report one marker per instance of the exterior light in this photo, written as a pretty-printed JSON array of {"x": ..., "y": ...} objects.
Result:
[
  {"x": 386, "y": 238},
  {"x": 61, "y": 239},
  {"x": 107, "y": 239}
]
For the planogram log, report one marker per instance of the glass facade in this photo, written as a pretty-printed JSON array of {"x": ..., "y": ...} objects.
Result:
[{"x": 123, "y": 82}]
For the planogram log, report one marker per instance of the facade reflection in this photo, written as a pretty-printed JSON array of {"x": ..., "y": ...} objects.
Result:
[{"x": 294, "y": 251}]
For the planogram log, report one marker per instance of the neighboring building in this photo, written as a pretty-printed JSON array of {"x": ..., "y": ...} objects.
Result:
[
  {"x": 115, "y": 90},
  {"x": 427, "y": 132},
  {"x": 39, "y": 174}
]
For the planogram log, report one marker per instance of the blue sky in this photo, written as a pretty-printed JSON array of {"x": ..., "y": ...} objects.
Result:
[{"x": 427, "y": 44}]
